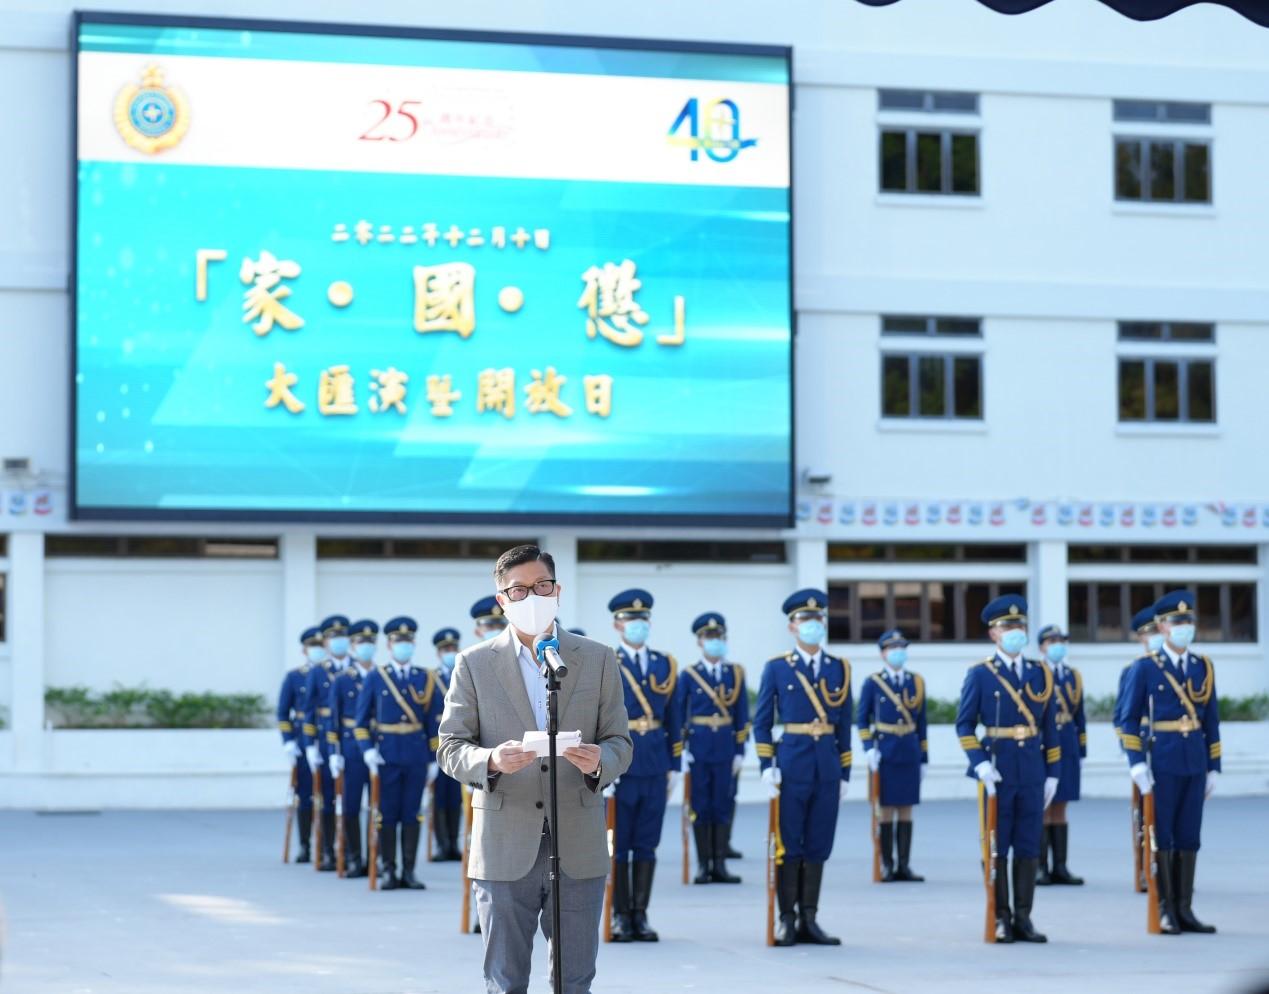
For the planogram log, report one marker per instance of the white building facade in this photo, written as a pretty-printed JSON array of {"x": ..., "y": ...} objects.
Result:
[{"x": 1032, "y": 334}]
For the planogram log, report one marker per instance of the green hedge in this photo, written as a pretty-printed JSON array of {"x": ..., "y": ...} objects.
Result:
[{"x": 141, "y": 707}]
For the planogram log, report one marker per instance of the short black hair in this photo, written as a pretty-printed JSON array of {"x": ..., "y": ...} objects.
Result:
[{"x": 518, "y": 556}]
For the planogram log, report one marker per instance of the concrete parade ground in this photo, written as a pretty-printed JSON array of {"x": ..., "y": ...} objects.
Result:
[{"x": 199, "y": 902}]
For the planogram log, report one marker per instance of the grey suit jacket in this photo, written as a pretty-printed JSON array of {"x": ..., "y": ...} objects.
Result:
[{"x": 486, "y": 706}]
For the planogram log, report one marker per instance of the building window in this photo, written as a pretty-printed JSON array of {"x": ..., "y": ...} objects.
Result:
[
  {"x": 1167, "y": 331},
  {"x": 1102, "y": 611},
  {"x": 1168, "y": 168},
  {"x": 931, "y": 385},
  {"x": 607, "y": 551},
  {"x": 1228, "y": 554},
  {"x": 926, "y": 160},
  {"x": 1162, "y": 111},
  {"x": 417, "y": 548},
  {"x": 921, "y": 552},
  {"x": 911, "y": 324},
  {"x": 928, "y": 101},
  {"x": 157, "y": 547},
  {"x": 4, "y": 608},
  {"x": 860, "y": 610},
  {"x": 1166, "y": 388}
]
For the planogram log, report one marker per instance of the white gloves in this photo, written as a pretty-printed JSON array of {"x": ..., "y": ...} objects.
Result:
[
  {"x": 671, "y": 781},
  {"x": 292, "y": 751},
  {"x": 924, "y": 767},
  {"x": 611, "y": 789},
  {"x": 336, "y": 764},
  {"x": 687, "y": 758},
  {"x": 314, "y": 755},
  {"x": 373, "y": 760},
  {"x": 988, "y": 776},
  {"x": 737, "y": 763},
  {"x": 1050, "y": 790},
  {"x": 841, "y": 797},
  {"x": 771, "y": 777},
  {"x": 873, "y": 756},
  {"x": 432, "y": 770},
  {"x": 1141, "y": 777},
  {"x": 1211, "y": 783}
]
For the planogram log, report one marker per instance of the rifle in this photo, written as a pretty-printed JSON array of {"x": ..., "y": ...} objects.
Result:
[
  {"x": 773, "y": 860},
  {"x": 465, "y": 925},
  {"x": 292, "y": 802},
  {"x": 431, "y": 820},
  {"x": 610, "y": 819},
  {"x": 372, "y": 833},
  {"x": 317, "y": 817},
  {"x": 874, "y": 802},
  {"x": 685, "y": 822},
  {"x": 989, "y": 824},
  {"x": 340, "y": 831},
  {"x": 1138, "y": 843},
  {"x": 1151, "y": 854}
]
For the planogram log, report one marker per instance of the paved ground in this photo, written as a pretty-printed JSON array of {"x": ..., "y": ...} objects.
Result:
[{"x": 139, "y": 903}]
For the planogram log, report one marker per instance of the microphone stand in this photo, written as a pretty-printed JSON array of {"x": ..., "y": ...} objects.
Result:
[{"x": 553, "y": 860}]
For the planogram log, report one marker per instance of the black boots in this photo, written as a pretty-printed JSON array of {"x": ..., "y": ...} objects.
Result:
[
  {"x": 410, "y": 831},
  {"x": 640, "y": 891},
  {"x": 1043, "y": 878},
  {"x": 903, "y": 835},
  {"x": 328, "y": 842},
  {"x": 787, "y": 875},
  {"x": 1059, "y": 837},
  {"x": 453, "y": 824},
  {"x": 447, "y": 820},
  {"x": 1004, "y": 920},
  {"x": 729, "y": 850},
  {"x": 621, "y": 929},
  {"x": 718, "y": 872},
  {"x": 1183, "y": 863},
  {"x": 808, "y": 904},
  {"x": 304, "y": 824},
  {"x": 354, "y": 866},
  {"x": 388, "y": 858},
  {"x": 704, "y": 853},
  {"x": 886, "y": 831},
  {"x": 1024, "y": 877},
  {"x": 1165, "y": 879}
]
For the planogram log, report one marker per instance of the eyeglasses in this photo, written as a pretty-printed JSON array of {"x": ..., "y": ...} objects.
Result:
[{"x": 518, "y": 592}]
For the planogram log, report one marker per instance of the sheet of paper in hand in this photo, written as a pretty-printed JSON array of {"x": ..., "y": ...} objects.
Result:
[{"x": 538, "y": 743}]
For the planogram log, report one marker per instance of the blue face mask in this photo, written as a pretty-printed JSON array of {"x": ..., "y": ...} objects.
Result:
[
  {"x": 897, "y": 657},
  {"x": 1013, "y": 641},
  {"x": 1056, "y": 652},
  {"x": 636, "y": 632},
  {"x": 316, "y": 654},
  {"x": 339, "y": 645},
  {"x": 402, "y": 652},
  {"x": 1156, "y": 642},
  {"x": 447, "y": 659},
  {"x": 365, "y": 651},
  {"x": 811, "y": 632},
  {"x": 715, "y": 648},
  {"x": 1181, "y": 636}
]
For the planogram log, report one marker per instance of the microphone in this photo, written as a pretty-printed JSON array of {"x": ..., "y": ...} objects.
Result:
[{"x": 547, "y": 649}]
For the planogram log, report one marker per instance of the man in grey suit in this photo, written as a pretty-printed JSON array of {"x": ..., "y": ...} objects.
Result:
[{"x": 496, "y": 693}]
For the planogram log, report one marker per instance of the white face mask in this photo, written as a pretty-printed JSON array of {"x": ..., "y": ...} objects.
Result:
[{"x": 534, "y": 615}]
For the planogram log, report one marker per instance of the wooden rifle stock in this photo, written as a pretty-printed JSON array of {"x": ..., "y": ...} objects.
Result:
[
  {"x": 990, "y": 816},
  {"x": 610, "y": 819},
  {"x": 1138, "y": 843},
  {"x": 1150, "y": 856},
  {"x": 874, "y": 802},
  {"x": 773, "y": 855},
  {"x": 340, "y": 830},
  {"x": 317, "y": 818},
  {"x": 685, "y": 823},
  {"x": 431, "y": 820},
  {"x": 372, "y": 833},
  {"x": 464, "y": 926},
  {"x": 292, "y": 802}
]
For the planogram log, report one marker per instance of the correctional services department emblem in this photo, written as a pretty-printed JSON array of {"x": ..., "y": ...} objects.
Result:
[{"x": 151, "y": 117}]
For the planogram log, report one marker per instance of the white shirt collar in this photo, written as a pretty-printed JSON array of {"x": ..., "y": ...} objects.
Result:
[
  {"x": 639, "y": 655},
  {"x": 811, "y": 661},
  {"x": 1176, "y": 660}
]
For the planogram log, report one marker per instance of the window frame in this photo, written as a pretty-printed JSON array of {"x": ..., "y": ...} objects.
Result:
[
  {"x": 948, "y": 360},
  {"x": 1183, "y": 364},
  {"x": 1092, "y": 586},
  {"x": 963, "y": 631},
  {"x": 1178, "y": 143},
  {"x": 945, "y": 132}
]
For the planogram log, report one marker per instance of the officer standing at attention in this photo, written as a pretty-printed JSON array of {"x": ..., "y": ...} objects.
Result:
[
  {"x": 643, "y": 789},
  {"x": 397, "y": 718},
  {"x": 713, "y": 707},
  {"x": 1068, "y": 696},
  {"x": 1176, "y": 690},
  {"x": 1013, "y": 698},
  {"x": 346, "y": 757},
  {"x": 488, "y": 617},
  {"x": 809, "y": 768},
  {"x": 447, "y": 795},
  {"x": 892, "y": 727},
  {"x": 291, "y": 717},
  {"x": 317, "y": 746}
]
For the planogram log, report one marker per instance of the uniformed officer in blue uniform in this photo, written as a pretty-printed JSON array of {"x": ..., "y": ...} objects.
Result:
[
  {"x": 649, "y": 677},
  {"x": 397, "y": 718},
  {"x": 447, "y": 795},
  {"x": 1068, "y": 696},
  {"x": 292, "y": 710},
  {"x": 1148, "y": 636},
  {"x": 1180, "y": 760},
  {"x": 344, "y": 694},
  {"x": 1019, "y": 758},
  {"x": 808, "y": 691},
  {"x": 892, "y": 727},
  {"x": 487, "y": 615},
  {"x": 317, "y": 745},
  {"x": 713, "y": 708}
]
